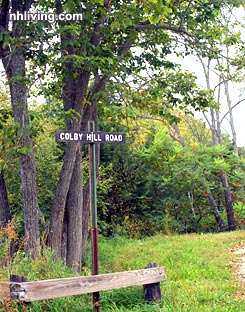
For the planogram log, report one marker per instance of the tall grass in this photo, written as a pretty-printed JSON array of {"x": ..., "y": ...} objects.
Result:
[{"x": 200, "y": 274}]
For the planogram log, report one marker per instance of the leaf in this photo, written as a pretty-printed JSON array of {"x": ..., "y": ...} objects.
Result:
[
  {"x": 1, "y": 165},
  {"x": 25, "y": 150}
]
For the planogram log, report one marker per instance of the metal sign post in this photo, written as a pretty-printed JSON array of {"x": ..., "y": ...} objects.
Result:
[
  {"x": 92, "y": 137},
  {"x": 94, "y": 220}
]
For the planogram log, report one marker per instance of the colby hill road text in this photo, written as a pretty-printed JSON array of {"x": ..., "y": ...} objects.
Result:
[{"x": 90, "y": 137}]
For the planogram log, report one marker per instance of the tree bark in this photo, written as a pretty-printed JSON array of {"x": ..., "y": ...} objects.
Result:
[
  {"x": 215, "y": 211},
  {"x": 59, "y": 201},
  {"x": 233, "y": 131},
  {"x": 74, "y": 215},
  {"x": 228, "y": 202},
  {"x": 5, "y": 215},
  {"x": 74, "y": 94},
  {"x": 15, "y": 68}
]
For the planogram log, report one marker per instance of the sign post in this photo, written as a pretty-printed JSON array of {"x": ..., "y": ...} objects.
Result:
[
  {"x": 94, "y": 220},
  {"x": 92, "y": 137}
]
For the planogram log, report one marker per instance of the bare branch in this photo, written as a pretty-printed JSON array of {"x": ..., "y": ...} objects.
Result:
[
  {"x": 231, "y": 109},
  {"x": 177, "y": 30},
  {"x": 207, "y": 120}
]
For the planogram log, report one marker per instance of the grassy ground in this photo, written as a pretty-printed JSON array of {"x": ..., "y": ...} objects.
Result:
[{"x": 200, "y": 275}]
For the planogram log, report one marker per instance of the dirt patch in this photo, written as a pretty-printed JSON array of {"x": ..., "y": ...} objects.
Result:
[
  {"x": 240, "y": 252},
  {"x": 239, "y": 268}
]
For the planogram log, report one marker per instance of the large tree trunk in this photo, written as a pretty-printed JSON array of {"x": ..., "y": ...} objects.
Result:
[
  {"x": 14, "y": 65},
  {"x": 74, "y": 216},
  {"x": 74, "y": 94},
  {"x": 59, "y": 201},
  {"x": 5, "y": 215},
  {"x": 74, "y": 90}
]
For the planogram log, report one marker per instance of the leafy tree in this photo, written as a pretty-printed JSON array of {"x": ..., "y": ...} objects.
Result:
[
  {"x": 189, "y": 184},
  {"x": 92, "y": 57},
  {"x": 86, "y": 56},
  {"x": 226, "y": 73}
]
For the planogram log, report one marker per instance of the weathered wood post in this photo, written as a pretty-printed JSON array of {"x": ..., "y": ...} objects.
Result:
[
  {"x": 17, "y": 278},
  {"x": 152, "y": 292},
  {"x": 16, "y": 288}
]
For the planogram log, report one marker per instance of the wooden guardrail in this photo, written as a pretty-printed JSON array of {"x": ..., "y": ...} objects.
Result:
[{"x": 49, "y": 289}]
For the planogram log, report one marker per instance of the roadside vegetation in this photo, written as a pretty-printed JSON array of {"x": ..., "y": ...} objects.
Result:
[{"x": 201, "y": 274}]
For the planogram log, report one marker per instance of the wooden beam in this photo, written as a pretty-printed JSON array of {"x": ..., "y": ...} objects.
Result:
[{"x": 49, "y": 289}]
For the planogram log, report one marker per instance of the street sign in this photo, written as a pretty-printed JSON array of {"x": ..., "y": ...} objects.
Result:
[{"x": 90, "y": 136}]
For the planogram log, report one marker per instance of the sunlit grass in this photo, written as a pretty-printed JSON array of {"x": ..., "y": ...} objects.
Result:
[
  {"x": 200, "y": 275},
  {"x": 198, "y": 267}
]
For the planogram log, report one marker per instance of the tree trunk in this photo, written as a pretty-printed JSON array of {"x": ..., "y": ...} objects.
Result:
[
  {"x": 59, "y": 201},
  {"x": 231, "y": 119},
  {"x": 215, "y": 211},
  {"x": 5, "y": 215},
  {"x": 74, "y": 94},
  {"x": 15, "y": 70},
  {"x": 74, "y": 215},
  {"x": 228, "y": 202}
]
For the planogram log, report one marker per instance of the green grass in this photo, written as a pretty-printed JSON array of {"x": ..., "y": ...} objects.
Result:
[
  {"x": 200, "y": 275},
  {"x": 198, "y": 269}
]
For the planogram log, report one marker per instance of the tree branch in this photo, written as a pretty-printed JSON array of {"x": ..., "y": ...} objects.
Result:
[
  {"x": 182, "y": 16},
  {"x": 177, "y": 30},
  {"x": 207, "y": 120},
  {"x": 231, "y": 109}
]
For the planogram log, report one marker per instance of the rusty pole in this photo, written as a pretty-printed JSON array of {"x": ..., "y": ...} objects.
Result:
[{"x": 94, "y": 219}]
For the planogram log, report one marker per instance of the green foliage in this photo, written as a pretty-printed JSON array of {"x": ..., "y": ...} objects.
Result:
[
  {"x": 44, "y": 120},
  {"x": 121, "y": 206},
  {"x": 167, "y": 94},
  {"x": 181, "y": 178},
  {"x": 8, "y": 236},
  {"x": 159, "y": 185}
]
